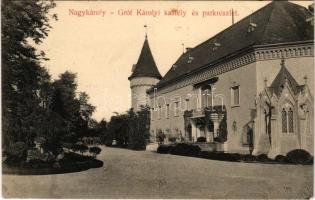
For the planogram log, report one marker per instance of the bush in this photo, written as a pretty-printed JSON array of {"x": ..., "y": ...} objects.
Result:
[
  {"x": 163, "y": 149},
  {"x": 233, "y": 157},
  {"x": 298, "y": 156},
  {"x": 184, "y": 149},
  {"x": 249, "y": 158},
  {"x": 172, "y": 139},
  {"x": 80, "y": 147},
  {"x": 311, "y": 161},
  {"x": 38, "y": 163},
  {"x": 95, "y": 151},
  {"x": 262, "y": 158},
  {"x": 201, "y": 139},
  {"x": 280, "y": 159},
  {"x": 16, "y": 153}
]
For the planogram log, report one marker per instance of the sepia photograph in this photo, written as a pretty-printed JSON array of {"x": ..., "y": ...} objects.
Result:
[{"x": 157, "y": 99}]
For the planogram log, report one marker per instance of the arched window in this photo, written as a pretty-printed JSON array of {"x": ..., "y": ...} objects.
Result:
[
  {"x": 290, "y": 120},
  {"x": 287, "y": 120},
  {"x": 284, "y": 120}
]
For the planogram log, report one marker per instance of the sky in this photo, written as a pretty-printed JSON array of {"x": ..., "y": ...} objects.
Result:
[{"x": 101, "y": 40}]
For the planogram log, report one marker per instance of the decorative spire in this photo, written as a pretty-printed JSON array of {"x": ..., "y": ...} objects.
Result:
[
  {"x": 232, "y": 16},
  {"x": 282, "y": 62},
  {"x": 183, "y": 45},
  {"x": 146, "y": 31}
]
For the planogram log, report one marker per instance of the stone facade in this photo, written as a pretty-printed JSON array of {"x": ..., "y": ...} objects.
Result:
[
  {"x": 179, "y": 110},
  {"x": 138, "y": 87},
  {"x": 248, "y": 89}
]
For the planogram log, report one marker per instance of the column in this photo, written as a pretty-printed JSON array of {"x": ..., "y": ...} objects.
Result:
[
  {"x": 209, "y": 135},
  {"x": 216, "y": 119},
  {"x": 193, "y": 130}
]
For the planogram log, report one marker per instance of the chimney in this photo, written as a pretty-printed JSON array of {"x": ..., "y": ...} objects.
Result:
[
  {"x": 188, "y": 49},
  {"x": 133, "y": 67}
]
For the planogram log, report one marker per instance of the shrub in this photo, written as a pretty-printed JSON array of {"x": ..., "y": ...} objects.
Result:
[
  {"x": 201, "y": 139},
  {"x": 80, "y": 147},
  {"x": 249, "y": 158},
  {"x": 234, "y": 157},
  {"x": 298, "y": 156},
  {"x": 37, "y": 163},
  {"x": 16, "y": 153},
  {"x": 311, "y": 161},
  {"x": 67, "y": 145},
  {"x": 172, "y": 139},
  {"x": 262, "y": 158},
  {"x": 108, "y": 143},
  {"x": 280, "y": 159},
  {"x": 164, "y": 149},
  {"x": 184, "y": 149},
  {"x": 95, "y": 151}
]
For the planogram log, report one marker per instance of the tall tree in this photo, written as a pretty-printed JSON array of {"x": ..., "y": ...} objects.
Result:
[{"x": 22, "y": 22}]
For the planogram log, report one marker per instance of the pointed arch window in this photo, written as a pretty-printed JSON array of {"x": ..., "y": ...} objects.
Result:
[
  {"x": 284, "y": 120},
  {"x": 287, "y": 119},
  {"x": 290, "y": 120}
]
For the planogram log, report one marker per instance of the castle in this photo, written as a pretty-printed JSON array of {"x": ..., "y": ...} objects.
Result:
[{"x": 248, "y": 88}]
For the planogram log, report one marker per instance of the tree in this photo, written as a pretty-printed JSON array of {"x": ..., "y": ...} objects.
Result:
[
  {"x": 95, "y": 151},
  {"x": 138, "y": 130},
  {"x": 22, "y": 22},
  {"x": 102, "y": 130},
  {"x": 118, "y": 129}
]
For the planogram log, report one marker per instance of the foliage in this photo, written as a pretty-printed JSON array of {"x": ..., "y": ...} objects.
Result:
[
  {"x": 298, "y": 156},
  {"x": 138, "y": 128},
  {"x": 95, "y": 151},
  {"x": 280, "y": 159},
  {"x": 184, "y": 149},
  {"x": 129, "y": 129},
  {"x": 201, "y": 139},
  {"x": 34, "y": 105},
  {"x": 16, "y": 151},
  {"x": 23, "y": 22},
  {"x": 118, "y": 129},
  {"x": 233, "y": 157},
  {"x": 262, "y": 158},
  {"x": 164, "y": 149},
  {"x": 172, "y": 139},
  {"x": 80, "y": 148},
  {"x": 223, "y": 132}
]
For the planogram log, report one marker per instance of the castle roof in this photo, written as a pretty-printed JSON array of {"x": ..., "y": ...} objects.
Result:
[
  {"x": 277, "y": 22},
  {"x": 145, "y": 66}
]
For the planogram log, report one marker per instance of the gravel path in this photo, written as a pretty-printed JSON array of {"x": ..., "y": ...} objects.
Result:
[{"x": 144, "y": 174}]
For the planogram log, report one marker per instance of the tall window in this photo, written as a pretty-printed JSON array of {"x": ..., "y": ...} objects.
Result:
[
  {"x": 167, "y": 111},
  {"x": 159, "y": 112},
  {"x": 206, "y": 97},
  {"x": 290, "y": 120},
  {"x": 235, "y": 95},
  {"x": 287, "y": 120},
  {"x": 284, "y": 121},
  {"x": 152, "y": 114},
  {"x": 176, "y": 108},
  {"x": 187, "y": 104}
]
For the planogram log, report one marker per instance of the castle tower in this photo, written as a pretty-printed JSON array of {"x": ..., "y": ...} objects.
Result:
[{"x": 145, "y": 74}]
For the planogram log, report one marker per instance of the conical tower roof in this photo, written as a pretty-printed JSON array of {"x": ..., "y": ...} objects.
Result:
[{"x": 145, "y": 66}]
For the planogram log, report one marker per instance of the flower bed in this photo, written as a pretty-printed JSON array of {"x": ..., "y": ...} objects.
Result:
[{"x": 71, "y": 162}]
